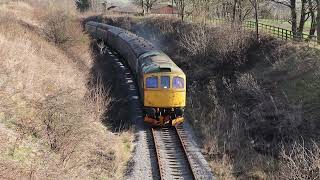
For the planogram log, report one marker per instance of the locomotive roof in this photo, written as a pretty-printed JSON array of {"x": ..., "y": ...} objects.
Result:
[
  {"x": 157, "y": 61},
  {"x": 127, "y": 36},
  {"x": 141, "y": 46},
  {"x": 92, "y": 23}
]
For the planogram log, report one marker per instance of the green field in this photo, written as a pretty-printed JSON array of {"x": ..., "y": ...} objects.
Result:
[{"x": 284, "y": 24}]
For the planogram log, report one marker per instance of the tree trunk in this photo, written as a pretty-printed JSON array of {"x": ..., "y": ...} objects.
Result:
[
  {"x": 181, "y": 7},
  {"x": 302, "y": 19},
  {"x": 142, "y": 6},
  {"x": 257, "y": 18},
  {"x": 234, "y": 11},
  {"x": 254, "y": 4},
  {"x": 172, "y": 6},
  {"x": 293, "y": 17},
  {"x": 240, "y": 11},
  {"x": 318, "y": 20},
  {"x": 182, "y": 10},
  {"x": 313, "y": 20}
]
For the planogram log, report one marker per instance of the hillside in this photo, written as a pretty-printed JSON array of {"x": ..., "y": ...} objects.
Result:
[
  {"x": 50, "y": 120},
  {"x": 255, "y": 104}
]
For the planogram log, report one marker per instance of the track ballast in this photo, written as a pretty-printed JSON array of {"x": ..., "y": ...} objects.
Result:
[{"x": 174, "y": 156}]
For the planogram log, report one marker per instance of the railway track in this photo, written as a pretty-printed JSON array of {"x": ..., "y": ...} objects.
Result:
[
  {"x": 172, "y": 153},
  {"x": 174, "y": 156}
]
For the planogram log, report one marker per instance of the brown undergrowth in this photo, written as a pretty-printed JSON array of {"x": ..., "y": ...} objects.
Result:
[
  {"x": 254, "y": 103},
  {"x": 50, "y": 121}
]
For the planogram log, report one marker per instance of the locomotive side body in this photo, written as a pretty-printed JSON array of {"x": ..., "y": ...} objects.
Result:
[{"x": 161, "y": 82}]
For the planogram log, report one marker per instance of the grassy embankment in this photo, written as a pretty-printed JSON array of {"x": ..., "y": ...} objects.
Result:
[
  {"x": 50, "y": 121},
  {"x": 255, "y": 104}
]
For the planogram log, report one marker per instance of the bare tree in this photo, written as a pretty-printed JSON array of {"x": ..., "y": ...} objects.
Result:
[
  {"x": 241, "y": 9},
  {"x": 254, "y": 4},
  {"x": 318, "y": 20},
  {"x": 181, "y": 6},
  {"x": 201, "y": 8},
  {"x": 148, "y": 4},
  {"x": 293, "y": 9},
  {"x": 303, "y": 18},
  {"x": 141, "y": 4},
  {"x": 312, "y": 9}
]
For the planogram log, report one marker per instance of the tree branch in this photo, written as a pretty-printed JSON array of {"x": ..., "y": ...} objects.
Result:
[{"x": 281, "y": 2}]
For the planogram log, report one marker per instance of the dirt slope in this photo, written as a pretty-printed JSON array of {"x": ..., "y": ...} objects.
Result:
[{"x": 50, "y": 121}]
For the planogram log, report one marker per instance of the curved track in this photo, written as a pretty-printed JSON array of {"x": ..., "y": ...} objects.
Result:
[{"x": 163, "y": 153}]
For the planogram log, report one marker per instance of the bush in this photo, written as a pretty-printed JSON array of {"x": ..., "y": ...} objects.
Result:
[
  {"x": 55, "y": 27},
  {"x": 197, "y": 40},
  {"x": 83, "y": 5},
  {"x": 300, "y": 162}
]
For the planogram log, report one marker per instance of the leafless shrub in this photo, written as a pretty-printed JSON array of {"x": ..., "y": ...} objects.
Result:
[
  {"x": 197, "y": 40},
  {"x": 165, "y": 25},
  {"x": 99, "y": 98},
  {"x": 223, "y": 168},
  {"x": 247, "y": 82},
  {"x": 55, "y": 27},
  {"x": 230, "y": 41},
  {"x": 125, "y": 23},
  {"x": 301, "y": 162},
  {"x": 120, "y": 21}
]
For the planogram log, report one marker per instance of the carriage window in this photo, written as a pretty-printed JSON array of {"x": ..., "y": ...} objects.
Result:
[
  {"x": 165, "y": 82},
  {"x": 152, "y": 82},
  {"x": 178, "y": 83}
]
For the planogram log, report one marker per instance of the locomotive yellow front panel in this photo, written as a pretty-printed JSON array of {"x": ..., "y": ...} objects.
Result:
[
  {"x": 164, "y": 98},
  {"x": 165, "y": 90}
]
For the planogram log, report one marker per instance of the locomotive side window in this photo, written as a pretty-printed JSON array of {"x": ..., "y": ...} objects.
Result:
[
  {"x": 152, "y": 82},
  {"x": 178, "y": 82},
  {"x": 165, "y": 82}
]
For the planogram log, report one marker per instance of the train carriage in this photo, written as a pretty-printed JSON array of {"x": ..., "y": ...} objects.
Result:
[{"x": 162, "y": 84}]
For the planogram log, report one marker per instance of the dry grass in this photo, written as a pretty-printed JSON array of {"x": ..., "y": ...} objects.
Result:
[
  {"x": 50, "y": 122},
  {"x": 301, "y": 162}
]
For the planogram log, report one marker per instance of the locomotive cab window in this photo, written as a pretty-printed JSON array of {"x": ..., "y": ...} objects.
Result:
[
  {"x": 178, "y": 82},
  {"x": 165, "y": 82},
  {"x": 152, "y": 82}
]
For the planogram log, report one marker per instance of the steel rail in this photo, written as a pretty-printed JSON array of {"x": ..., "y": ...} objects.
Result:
[
  {"x": 157, "y": 154},
  {"x": 182, "y": 150},
  {"x": 185, "y": 151}
]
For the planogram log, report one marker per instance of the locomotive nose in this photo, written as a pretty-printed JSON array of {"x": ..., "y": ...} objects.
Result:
[{"x": 164, "y": 99}]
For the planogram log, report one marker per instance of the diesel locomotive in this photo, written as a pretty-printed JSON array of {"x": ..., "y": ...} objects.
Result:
[{"x": 162, "y": 84}]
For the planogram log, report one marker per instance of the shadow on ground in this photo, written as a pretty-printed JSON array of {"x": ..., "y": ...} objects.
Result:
[{"x": 107, "y": 73}]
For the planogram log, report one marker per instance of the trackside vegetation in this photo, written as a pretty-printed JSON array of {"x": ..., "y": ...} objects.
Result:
[{"x": 254, "y": 103}]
